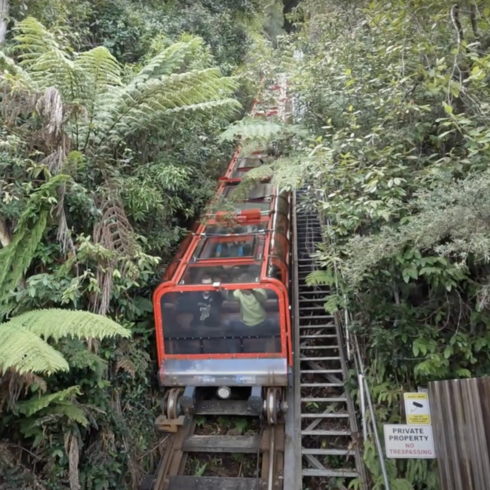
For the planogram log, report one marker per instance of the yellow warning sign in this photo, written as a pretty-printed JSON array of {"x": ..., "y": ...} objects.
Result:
[{"x": 417, "y": 408}]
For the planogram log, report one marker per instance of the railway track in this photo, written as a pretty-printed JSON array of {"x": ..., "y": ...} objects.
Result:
[{"x": 267, "y": 447}]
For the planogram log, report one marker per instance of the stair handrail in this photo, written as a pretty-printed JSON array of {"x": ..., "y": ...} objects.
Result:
[{"x": 369, "y": 426}]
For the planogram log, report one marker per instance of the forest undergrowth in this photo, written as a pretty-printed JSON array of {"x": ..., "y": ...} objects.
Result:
[{"x": 101, "y": 173}]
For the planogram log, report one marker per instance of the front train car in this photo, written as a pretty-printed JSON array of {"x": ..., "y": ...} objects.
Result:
[{"x": 222, "y": 313}]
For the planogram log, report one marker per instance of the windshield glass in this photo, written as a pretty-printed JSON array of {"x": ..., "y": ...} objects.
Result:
[{"x": 221, "y": 321}]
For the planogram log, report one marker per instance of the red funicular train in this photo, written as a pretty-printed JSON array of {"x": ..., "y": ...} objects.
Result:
[{"x": 222, "y": 313}]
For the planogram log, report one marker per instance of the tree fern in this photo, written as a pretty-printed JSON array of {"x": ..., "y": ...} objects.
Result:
[
  {"x": 113, "y": 110},
  {"x": 21, "y": 339}
]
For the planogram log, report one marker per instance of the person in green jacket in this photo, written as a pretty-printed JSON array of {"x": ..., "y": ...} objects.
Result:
[{"x": 252, "y": 305}]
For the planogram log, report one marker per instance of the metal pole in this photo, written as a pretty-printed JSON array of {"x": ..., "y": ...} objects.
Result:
[
  {"x": 347, "y": 339},
  {"x": 363, "y": 406},
  {"x": 376, "y": 437},
  {"x": 272, "y": 455}
]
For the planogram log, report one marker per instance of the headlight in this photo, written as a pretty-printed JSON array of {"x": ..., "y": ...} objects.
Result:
[{"x": 224, "y": 392}]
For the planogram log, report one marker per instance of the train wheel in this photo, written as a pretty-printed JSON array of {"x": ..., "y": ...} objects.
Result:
[
  {"x": 173, "y": 405},
  {"x": 273, "y": 405}
]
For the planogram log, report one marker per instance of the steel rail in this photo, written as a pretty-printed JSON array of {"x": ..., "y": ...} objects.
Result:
[{"x": 170, "y": 473}]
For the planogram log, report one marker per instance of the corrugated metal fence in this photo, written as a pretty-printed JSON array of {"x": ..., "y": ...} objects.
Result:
[{"x": 460, "y": 411}]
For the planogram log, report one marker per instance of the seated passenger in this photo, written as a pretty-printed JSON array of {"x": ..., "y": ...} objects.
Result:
[
  {"x": 229, "y": 249},
  {"x": 252, "y": 311},
  {"x": 204, "y": 305}
]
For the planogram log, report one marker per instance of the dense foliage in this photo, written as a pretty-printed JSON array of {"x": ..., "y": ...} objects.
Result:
[
  {"x": 102, "y": 167},
  {"x": 395, "y": 96},
  {"x": 109, "y": 124}
]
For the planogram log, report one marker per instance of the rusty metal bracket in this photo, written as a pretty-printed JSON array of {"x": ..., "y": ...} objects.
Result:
[{"x": 164, "y": 424}]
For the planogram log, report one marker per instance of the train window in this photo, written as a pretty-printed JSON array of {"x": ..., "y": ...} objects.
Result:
[
  {"x": 244, "y": 164},
  {"x": 258, "y": 191},
  {"x": 259, "y": 197},
  {"x": 226, "y": 247},
  {"x": 219, "y": 229},
  {"x": 222, "y": 273},
  {"x": 221, "y": 322}
]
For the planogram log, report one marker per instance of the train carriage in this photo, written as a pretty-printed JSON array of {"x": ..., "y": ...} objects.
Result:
[{"x": 222, "y": 314}]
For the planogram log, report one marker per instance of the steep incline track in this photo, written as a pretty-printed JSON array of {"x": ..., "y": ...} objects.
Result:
[
  {"x": 326, "y": 425},
  {"x": 268, "y": 447}
]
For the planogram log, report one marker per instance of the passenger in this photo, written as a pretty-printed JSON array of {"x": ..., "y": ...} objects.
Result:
[
  {"x": 252, "y": 311},
  {"x": 205, "y": 306},
  {"x": 229, "y": 249}
]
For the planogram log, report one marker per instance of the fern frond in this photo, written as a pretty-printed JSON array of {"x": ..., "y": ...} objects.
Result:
[
  {"x": 71, "y": 412},
  {"x": 259, "y": 173},
  {"x": 320, "y": 277},
  {"x": 26, "y": 352},
  {"x": 79, "y": 357},
  {"x": 251, "y": 128},
  {"x": 168, "y": 61},
  {"x": 35, "y": 404},
  {"x": 12, "y": 74},
  {"x": 100, "y": 74},
  {"x": 46, "y": 61},
  {"x": 144, "y": 105},
  {"x": 58, "y": 323},
  {"x": 22, "y": 348},
  {"x": 33, "y": 40}
]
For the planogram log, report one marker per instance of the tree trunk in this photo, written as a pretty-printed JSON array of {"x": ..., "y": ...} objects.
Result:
[
  {"x": 4, "y": 234},
  {"x": 4, "y": 13}
]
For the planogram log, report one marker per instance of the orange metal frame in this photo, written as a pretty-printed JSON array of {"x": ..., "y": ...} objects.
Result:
[{"x": 265, "y": 282}]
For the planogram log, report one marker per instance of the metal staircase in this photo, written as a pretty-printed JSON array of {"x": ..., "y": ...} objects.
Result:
[{"x": 325, "y": 418}]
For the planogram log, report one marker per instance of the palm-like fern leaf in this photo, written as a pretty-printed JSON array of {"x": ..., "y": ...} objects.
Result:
[
  {"x": 34, "y": 405},
  {"x": 43, "y": 58},
  {"x": 145, "y": 105},
  {"x": 57, "y": 323},
  {"x": 253, "y": 129},
  {"x": 27, "y": 352},
  {"x": 168, "y": 61},
  {"x": 22, "y": 348}
]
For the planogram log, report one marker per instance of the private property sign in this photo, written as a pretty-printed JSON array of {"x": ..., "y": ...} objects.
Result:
[{"x": 409, "y": 442}]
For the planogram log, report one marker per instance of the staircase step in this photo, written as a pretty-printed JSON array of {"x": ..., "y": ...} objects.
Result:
[
  {"x": 330, "y": 325},
  {"x": 319, "y": 358},
  {"x": 318, "y": 347},
  {"x": 314, "y": 317},
  {"x": 327, "y": 452},
  {"x": 321, "y": 371},
  {"x": 302, "y": 309},
  {"x": 324, "y": 415},
  {"x": 340, "y": 473},
  {"x": 321, "y": 336},
  {"x": 322, "y": 400},
  {"x": 322, "y": 385},
  {"x": 326, "y": 432}
]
